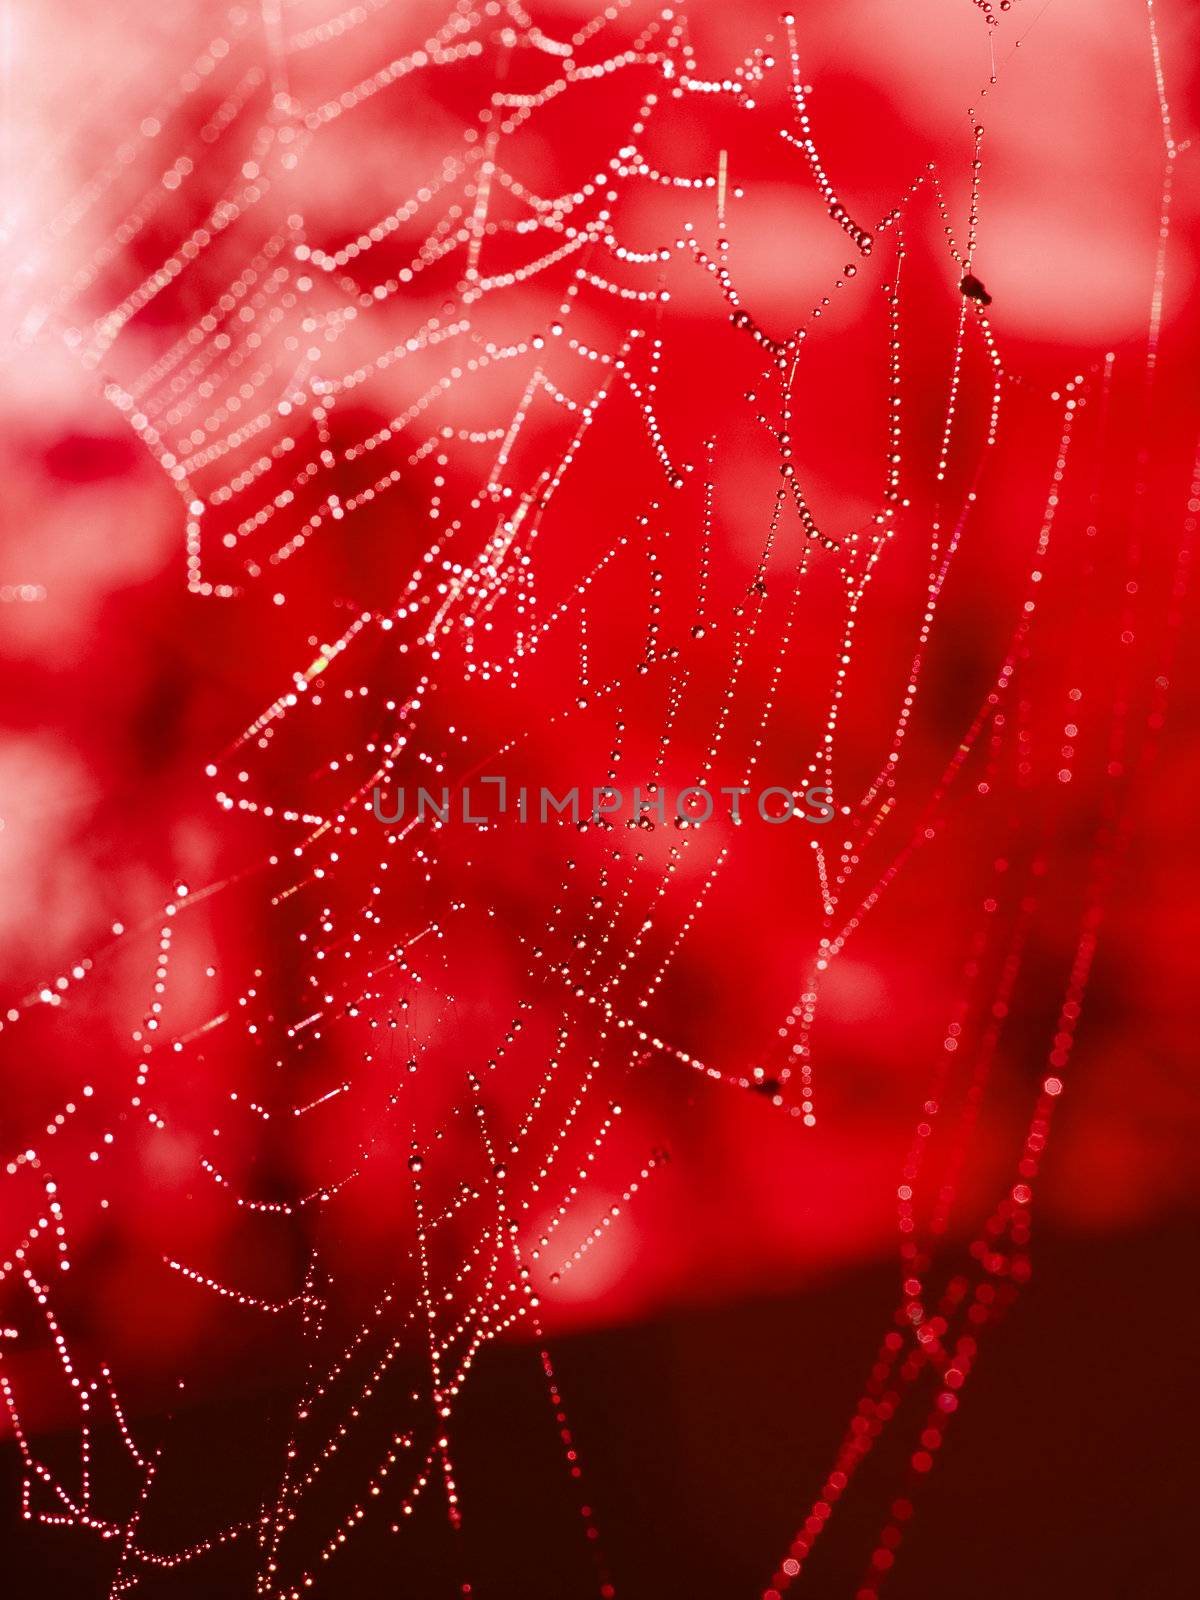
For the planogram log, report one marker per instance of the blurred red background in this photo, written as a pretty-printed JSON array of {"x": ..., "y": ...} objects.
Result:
[{"x": 407, "y": 387}]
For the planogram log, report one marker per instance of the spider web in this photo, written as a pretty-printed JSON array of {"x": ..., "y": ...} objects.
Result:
[{"x": 566, "y": 500}]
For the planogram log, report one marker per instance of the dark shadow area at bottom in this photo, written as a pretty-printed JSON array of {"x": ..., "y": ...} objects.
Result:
[{"x": 704, "y": 1436}]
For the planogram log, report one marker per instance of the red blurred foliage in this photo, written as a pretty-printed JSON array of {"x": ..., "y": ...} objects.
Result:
[{"x": 480, "y": 957}]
